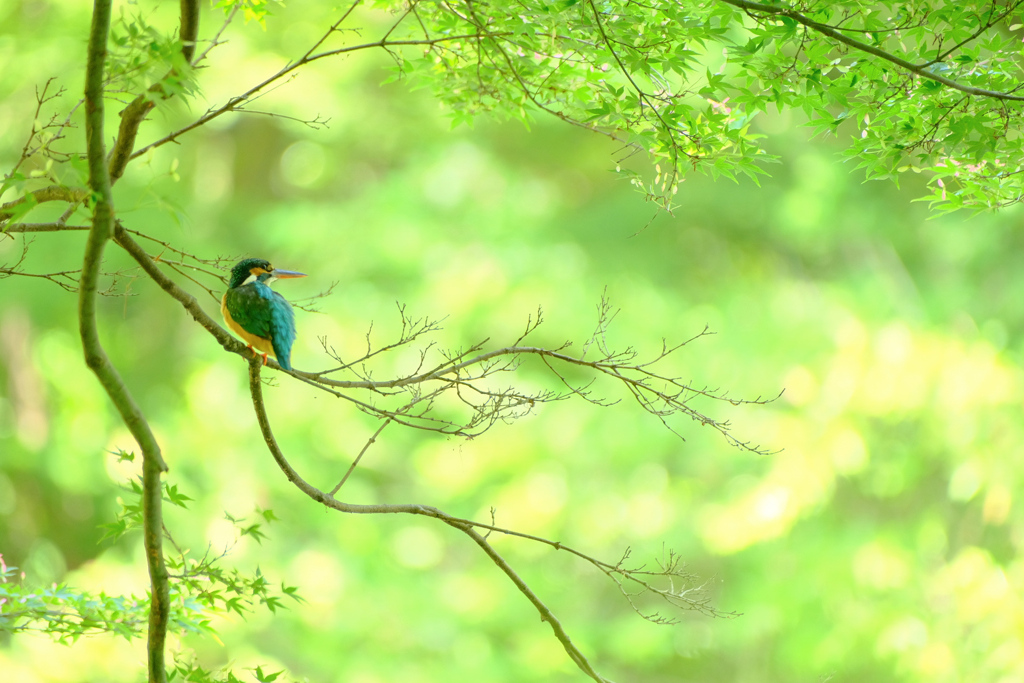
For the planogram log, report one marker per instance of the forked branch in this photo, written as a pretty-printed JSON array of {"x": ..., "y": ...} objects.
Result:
[{"x": 465, "y": 526}]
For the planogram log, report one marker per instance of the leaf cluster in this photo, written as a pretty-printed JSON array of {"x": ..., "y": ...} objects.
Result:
[
  {"x": 200, "y": 587},
  {"x": 924, "y": 86},
  {"x": 142, "y": 58},
  {"x": 927, "y": 86},
  {"x": 636, "y": 73},
  {"x": 65, "y": 613}
]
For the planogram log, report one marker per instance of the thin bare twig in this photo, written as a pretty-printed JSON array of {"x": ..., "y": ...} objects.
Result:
[
  {"x": 352, "y": 468},
  {"x": 215, "y": 41}
]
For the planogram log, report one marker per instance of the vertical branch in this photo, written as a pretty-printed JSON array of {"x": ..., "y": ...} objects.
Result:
[
  {"x": 96, "y": 358},
  {"x": 189, "y": 30}
]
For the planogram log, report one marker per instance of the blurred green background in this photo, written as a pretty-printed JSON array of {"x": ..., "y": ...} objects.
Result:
[{"x": 880, "y": 542}]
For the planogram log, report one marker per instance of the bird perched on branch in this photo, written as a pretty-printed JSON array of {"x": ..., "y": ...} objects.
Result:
[{"x": 256, "y": 313}]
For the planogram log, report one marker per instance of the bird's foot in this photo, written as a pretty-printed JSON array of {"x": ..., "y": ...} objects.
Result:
[{"x": 257, "y": 354}]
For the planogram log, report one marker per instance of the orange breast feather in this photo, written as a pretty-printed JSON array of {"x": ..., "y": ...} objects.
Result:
[{"x": 261, "y": 344}]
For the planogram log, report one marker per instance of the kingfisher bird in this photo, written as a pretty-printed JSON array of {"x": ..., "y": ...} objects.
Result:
[{"x": 260, "y": 316}]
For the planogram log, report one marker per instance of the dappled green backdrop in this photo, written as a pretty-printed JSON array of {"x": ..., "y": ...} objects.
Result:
[{"x": 879, "y": 542}]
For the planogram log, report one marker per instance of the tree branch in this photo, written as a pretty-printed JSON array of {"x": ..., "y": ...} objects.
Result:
[
  {"x": 96, "y": 358},
  {"x": 215, "y": 41},
  {"x": 51, "y": 193},
  {"x": 188, "y": 30},
  {"x": 235, "y": 102},
  {"x": 688, "y": 597},
  {"x": 921, "y": 70},
  {"x": 43, "y": 227},
  {"x": 672, "y": 397},
  {"x": 132, "y": 117},
  {"x": 465, "y": 526}
]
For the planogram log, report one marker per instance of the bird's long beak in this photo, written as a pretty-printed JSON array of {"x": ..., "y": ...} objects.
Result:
[{"x": 282, "y": 274}]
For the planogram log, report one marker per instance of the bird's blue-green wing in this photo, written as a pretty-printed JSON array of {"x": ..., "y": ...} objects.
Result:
[
  {"x": 282, "y": 329},
  {"x": 250, "y": 309}
]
